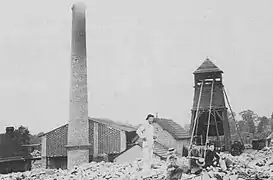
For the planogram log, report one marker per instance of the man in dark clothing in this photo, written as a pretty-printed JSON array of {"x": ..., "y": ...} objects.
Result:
[
  {"x": 236, "y": 148},
  {"x": 211, "y": 157},
  {"x": 174, "y": 172}
]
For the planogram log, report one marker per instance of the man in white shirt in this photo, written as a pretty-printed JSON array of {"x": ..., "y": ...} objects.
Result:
[{"x": 146, "y": 133}]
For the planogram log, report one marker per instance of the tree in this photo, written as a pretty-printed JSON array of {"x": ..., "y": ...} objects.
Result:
[
  {"x": 22, "y": 135},
  {"x": 19, "y": 137},
  {"x": 35, "y": 139},
  {"x": 249, "y": 117},
  {"x": 242, "y": 126},
  {"x": 232, "y": 123},
  {"x": 262, "y": 126}
]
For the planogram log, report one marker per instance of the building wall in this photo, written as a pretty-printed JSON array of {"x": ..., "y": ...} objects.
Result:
[
  {"x": 103, "y": 139},
  {"x": 168, "y": 140},
  {"x": 43, "y": 152},
  {"x": 217, "y": 99},
  {"x": 57, "y": 162},
  {"x": 56, "y": 141},
  {"x": 108, "y": 139},
  {"x": 91, "y": 137},
  {"x": 43, "y": 148},
  {"x": 163, "y": 137},
  {"x": 123, "y": 141},
  {"x": 181, "y": 143}
]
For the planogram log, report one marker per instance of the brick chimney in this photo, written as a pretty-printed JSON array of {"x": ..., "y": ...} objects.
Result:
[{"x": 78, "y": 125}]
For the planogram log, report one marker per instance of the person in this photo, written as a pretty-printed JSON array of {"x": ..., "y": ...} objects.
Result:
[
  {"x": 173, "y": 170},
  {"x": 182, "y": 162},
  {"x": 146, "y": 133},
  {"x": 171, "y": 151},
  {"x": 211, "y": 157},
  {"x": 196, "y": 163},
  {"x": 236, "y": 148}
]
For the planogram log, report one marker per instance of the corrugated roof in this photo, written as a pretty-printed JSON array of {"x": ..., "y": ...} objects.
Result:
[
  {"x": 207, "y": 66},
  {"x": 173, "y": 128},
  {"x": 115, "y": 124},
  {"x": 105, "y": 121}
]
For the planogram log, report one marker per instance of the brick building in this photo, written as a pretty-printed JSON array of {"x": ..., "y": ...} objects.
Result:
[{"x": 105, "y": 136}]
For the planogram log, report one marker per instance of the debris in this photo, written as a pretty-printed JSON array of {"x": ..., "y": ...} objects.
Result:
[{"x": 257, "y": 165}]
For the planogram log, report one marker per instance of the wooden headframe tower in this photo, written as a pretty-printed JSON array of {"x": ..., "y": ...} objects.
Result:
[{"x": 209, "y": 112}]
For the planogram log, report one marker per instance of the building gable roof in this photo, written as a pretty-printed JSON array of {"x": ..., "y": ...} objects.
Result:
[
  {"x": 108, "y": 122},
  {"x": 207, "y": 66},
  {"x": 173, "y": 128}
]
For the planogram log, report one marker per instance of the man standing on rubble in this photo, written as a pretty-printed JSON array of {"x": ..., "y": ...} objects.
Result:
[{"x": 146, "y": 133}]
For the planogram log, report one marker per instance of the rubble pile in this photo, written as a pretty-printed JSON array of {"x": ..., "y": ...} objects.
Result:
[
  {"x": 36, "y": 164},
  {"x": 36, "y": 153},
  {"x": 93, "y": 171},
  {"x": 257, "y": 165}
]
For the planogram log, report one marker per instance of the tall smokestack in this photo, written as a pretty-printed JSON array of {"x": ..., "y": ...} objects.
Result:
[{"x": 78, "y": 125}]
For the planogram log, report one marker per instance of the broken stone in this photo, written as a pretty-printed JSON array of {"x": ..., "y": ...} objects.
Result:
[{"x": 257, "y": 165}]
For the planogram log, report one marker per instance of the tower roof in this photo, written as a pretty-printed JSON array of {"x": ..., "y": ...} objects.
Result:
[{"x": 207, "y": 66}]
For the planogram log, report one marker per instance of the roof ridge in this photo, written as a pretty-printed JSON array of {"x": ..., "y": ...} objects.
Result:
[
  {"x": 90, "y": 119},
  {"x": 173, "y": 128},
  {"x": 116, "y": 122}
]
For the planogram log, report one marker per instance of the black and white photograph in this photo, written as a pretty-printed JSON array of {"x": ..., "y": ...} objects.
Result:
[{"x": 136, "y": 90}]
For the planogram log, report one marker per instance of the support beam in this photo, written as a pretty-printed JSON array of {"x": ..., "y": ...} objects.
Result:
[
  {"x": 220, "y": 116},
  {"x": 217, "y": 130},
  {"x": 197, "y": 121},
  {"x": 226, "y": 131}
]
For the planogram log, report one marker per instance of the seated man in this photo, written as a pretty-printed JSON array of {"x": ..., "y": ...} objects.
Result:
[
  {"x": 211, "y": 157},
  {"x": 196, "y": 163},
  {"x": 173, "y": 170},
  {"x": 181, "y": 162}
]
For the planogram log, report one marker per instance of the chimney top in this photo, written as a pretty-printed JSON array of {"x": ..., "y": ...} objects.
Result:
[{"x": 79, "y": 6}]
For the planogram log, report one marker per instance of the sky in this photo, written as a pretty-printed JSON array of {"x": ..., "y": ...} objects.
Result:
[{"x": 141, "y": 56}]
